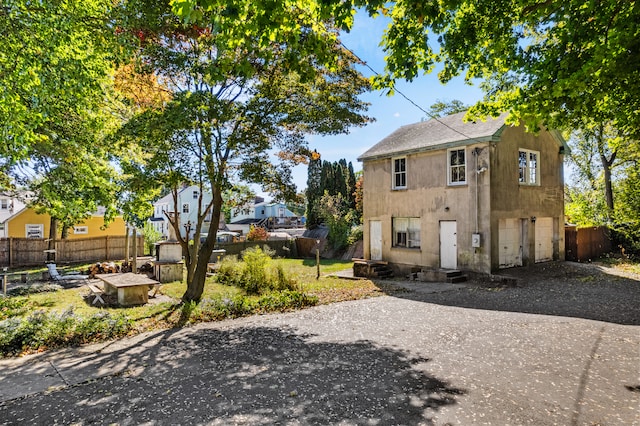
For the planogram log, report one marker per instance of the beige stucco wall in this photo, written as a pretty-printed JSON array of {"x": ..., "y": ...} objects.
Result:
[
  {"x": 511, "y": 200},
  {"x": 429, "y": 197},
  {"x": 498, "y": 195}
]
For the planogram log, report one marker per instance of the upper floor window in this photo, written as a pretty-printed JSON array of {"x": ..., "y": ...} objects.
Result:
[
  {"x": 457, "y": 167},
  {"x": 185, "y": 208},
  {"x": 406, "y": 232},
  {"x": 399, "y": 173},
  {"x": 195, "y": 195},
  {"x": 4, "y": 204},
  {"x": 528, "y": 167}
]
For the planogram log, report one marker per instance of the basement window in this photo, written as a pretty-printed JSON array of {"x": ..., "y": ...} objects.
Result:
[{"x": 406, "y": 232}]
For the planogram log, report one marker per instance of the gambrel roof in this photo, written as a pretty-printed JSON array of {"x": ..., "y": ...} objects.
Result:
[{"x": 438, "y": 133}]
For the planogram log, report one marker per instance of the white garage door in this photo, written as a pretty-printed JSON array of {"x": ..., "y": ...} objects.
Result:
[
  {"x": 510, "y": 242},
  {"x": 544, "y": 239}
]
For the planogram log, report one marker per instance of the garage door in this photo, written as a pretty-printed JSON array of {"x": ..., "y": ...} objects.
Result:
[
  {"x": 510, "y": 242},
  {"x": 544, "y": 239}
]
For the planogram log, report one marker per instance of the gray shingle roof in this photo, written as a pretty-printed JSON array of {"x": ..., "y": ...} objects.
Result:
[{"x": 435, "y": 134}]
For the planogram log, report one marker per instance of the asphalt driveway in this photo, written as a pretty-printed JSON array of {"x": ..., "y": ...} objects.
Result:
[{"x": 424, "y": 354}]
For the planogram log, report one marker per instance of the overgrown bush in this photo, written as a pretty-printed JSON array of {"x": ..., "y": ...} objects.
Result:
[
  {"x": 255, "y": 274},
  {"x": 355, "y": 234},
  {"x": 238, "y": 306},
  {"x": 12, "y": 306},
  {"x": 47, "y": 330}
]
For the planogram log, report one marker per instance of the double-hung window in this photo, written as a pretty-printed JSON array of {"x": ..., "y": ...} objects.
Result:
[
  {"x": 400, "y": 173},
  {"x": 406, "y": 232},
  {"x": 456, "y": 167},
  {"x": 185, "y": 208},
  {"x": 528, "y": 167}
]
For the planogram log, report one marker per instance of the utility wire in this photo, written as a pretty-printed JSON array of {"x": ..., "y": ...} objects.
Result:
[{"x": 366, "y": 64}]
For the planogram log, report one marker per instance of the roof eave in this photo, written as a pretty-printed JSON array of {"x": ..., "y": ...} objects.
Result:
[{"x": 463, "y": 142}]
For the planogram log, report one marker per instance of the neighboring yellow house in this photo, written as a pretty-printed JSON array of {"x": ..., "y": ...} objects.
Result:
[{"x": 28, "y": 224}]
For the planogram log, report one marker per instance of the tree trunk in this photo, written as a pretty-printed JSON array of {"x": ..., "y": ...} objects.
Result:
[
  {"x": 53, "y": 233},
  {"x": 134, "y": 257},
  {"x": 126, "y": 246},
  {"x": 195, "y": 286},
  {"x": 608, "y": 187}
]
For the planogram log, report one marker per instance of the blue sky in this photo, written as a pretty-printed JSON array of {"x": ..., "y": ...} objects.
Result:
[{"x": 390, "y": 112}]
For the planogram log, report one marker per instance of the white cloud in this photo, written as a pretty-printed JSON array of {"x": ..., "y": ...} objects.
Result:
[{"x": 396, "y": 115}]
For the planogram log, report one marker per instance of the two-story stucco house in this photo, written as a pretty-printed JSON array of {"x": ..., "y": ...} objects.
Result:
[
  {"x": 474, "y": 196},
  {"x": 187, "y": 207}
]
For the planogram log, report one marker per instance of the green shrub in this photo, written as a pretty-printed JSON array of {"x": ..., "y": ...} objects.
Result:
[
  {"x": 230, "y": 271},
  {"x": 355, "y": 234},
  {"x": 255, "y": 274},
  {"x": 238, "y": 306},
  {"x": 47, "y": 330},
  {"x": 285, "y": 300},
  {"x": 12, "y": 307}
]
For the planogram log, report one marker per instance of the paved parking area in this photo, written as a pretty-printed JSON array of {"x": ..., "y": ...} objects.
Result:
[{"x": 412, "y": 357}]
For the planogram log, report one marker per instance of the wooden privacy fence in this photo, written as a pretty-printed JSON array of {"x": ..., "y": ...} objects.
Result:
[
  {"x": 15, "y": 252},
  {"x": 584, "y": 244}
]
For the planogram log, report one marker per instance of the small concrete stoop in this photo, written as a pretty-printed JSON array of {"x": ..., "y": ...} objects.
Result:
[
  {"x": 454, "y": 276},
  {"x": 441, "y": 275},
  {"x": 371, "y": 269}
]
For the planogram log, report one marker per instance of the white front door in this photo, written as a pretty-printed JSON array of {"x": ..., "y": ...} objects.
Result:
[
  {"x": 375, "y": 239},
  {"x": 448, "y": 244}
]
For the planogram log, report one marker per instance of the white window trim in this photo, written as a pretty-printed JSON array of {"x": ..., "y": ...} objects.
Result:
[
  {"x": 528, "y": 168},
  {"x": 449, "y": 167},
  {"x": 4, "y": 204},
  {"x": 83, "y": 229},
  {"x": 188, "y": 206},
  {"x": 33, "y": 226},
  {"x": 394, "y": 173},
  {"x": 413, "y": 229}
]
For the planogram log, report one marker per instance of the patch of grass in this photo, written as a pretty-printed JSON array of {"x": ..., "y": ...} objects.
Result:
[
  {"x": 622, "y": 264},
  {"x": 62, "y": 317}
]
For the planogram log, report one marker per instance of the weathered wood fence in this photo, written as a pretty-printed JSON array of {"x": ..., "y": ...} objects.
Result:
[
  {"x": 584, "y": 244},
  {"x": 16, "y": 252}
]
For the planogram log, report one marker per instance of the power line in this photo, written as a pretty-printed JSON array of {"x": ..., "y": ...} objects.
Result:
[{"x": 433, "y": 117}]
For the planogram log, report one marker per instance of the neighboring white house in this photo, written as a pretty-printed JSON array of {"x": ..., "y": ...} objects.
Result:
[
  {"x": 187, "y": 209},
  {"x": 268, "y": 215},
  {"x": 10, "y": 204}
]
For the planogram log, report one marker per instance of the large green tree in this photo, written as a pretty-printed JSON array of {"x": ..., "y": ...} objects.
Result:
[
  {"x": 56, "y": 58},
  {"x": 56, "y": 98},
  {"x": 235, "y": 100},
  {"x": 546, "y": 61}
]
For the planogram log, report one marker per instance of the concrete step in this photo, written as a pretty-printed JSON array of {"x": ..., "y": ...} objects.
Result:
[{"x": 457, "y": 279}]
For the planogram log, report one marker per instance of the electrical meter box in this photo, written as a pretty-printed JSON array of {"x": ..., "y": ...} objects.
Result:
[{"x": 475, "y": 240}]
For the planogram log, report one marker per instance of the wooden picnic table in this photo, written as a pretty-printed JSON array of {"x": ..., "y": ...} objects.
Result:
[{"x": 132, "y": 289}]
